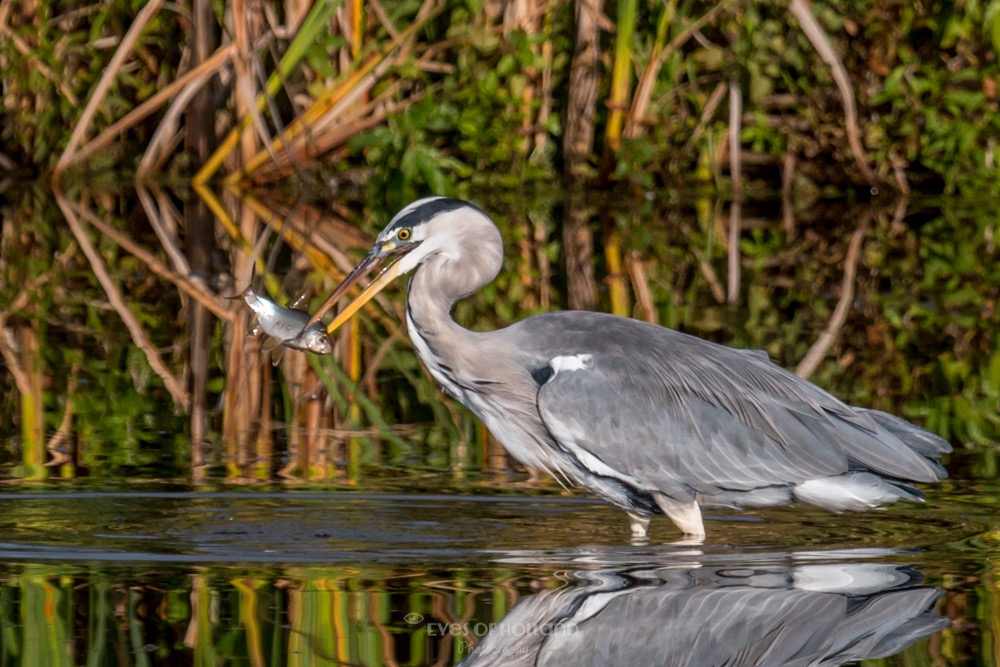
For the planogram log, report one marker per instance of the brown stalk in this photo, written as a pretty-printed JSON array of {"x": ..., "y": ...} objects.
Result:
[
  {"x": 708, "y": 273},
  {"x": 821, "y": 42},
  {"x": 182, "y": 283},
  {"x": 244, "y": 84},
  {"x": 168, "y": 134},
  {"x": 648, "y": 77},
  {"x": 331, "y": 132},
  {"x": 545, "y": 110},
  {"x": 584, "y": 81},
  {"x": 818, "y": 350},
  {"x": 58, "y": 457},
  {"x": 303, "y": 132},
  {"x": 386, "y": 22},
  {"x": 578, "y": 250},
  {"x": 787, "y": 179},
  {"x": 8, "y": 348},
  {"x": 111, "y": 71},
  {"x": 199, "y": 74},
  {"x": 736, "y": 176},
  {"x": 714, "y": 100},
  {"x": 139, "y": 336},
  {"x": 640, "y": 285},
  {"x": 163, "y": 219}
]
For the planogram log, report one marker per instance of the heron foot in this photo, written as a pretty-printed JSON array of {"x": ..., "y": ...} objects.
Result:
[
  {"x": 639, "y": 525},
  {"x": 686, "y": 516}
]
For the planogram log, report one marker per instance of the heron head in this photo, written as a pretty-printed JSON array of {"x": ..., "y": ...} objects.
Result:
[{"x": 424, "y": 228}]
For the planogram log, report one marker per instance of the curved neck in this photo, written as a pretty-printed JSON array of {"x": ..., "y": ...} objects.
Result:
[
  {"x": 442, "y": 344},
  {"x": 470, "y": 259}
]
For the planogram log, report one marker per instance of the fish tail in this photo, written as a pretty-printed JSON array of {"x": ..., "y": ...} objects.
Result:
[
  {"x": 244, "y": 294},
  {"x": 248, "y": 291}
]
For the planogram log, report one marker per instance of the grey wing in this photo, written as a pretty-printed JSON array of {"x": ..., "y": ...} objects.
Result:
[{"x": 710, "y": 423}]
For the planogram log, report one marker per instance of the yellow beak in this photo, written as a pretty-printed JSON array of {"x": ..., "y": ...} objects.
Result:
[{"x": 387, "y": 275}]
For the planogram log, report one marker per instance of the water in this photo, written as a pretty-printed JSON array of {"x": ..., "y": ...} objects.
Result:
[
  {"x": 303, "y": 577},
  {"x": 261, "y": 527}
]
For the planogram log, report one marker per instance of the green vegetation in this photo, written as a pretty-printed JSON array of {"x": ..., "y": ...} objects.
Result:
[
  {"x": 113, "y": 401},
  {"x": 424, "y": 96}
]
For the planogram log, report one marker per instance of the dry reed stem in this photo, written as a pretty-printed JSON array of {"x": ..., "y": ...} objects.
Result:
[
  {"x": 821, "y": 42},
  {"x": 8, "y": 349},
  {"x": 295, "y": 240},
  {"x": 139, "y": 336},
  {"x": 65, "y": 423},
  {"x": 386, "y": 21},
  {"x": 201, "y": 74},
  {"x": 164, "y": 220},
  {"x": 818, "y": 350},
  {"x": 578, "y": 251},
  {"x": 246, "y": 93},
  {"x": 182, "y": 283},
  {"x": 787, "y": 208},
  {"x": 640, "y": 285},
  {"x": 168, "y": 134},
  {"x": 578, "y": 138},
  {"x": 302, "y": 125},
  {"x": 711, "y": 106},
  {"x": 323, "y": 112},
  {"x": 644, "y": 87},
  {"x": 110, "y": 73},
  {"x": 321, "y": 140},
  {"x": 736, "y": 176},
  {"x": 648, "y": 76},
  {"x": 707, "y": 272},
  {"x": 356, "y": 84}
]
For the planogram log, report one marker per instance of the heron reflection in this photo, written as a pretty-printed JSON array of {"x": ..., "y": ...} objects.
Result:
[{"x": 732, "y": 615}]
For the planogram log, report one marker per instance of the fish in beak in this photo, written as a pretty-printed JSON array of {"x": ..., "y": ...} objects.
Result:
[{"x": 379, "y": 253}]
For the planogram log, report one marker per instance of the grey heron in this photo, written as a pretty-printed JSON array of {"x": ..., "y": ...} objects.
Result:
[{"x": 652, "y": 420}]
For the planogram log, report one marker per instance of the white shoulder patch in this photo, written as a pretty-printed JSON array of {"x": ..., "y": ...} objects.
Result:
[{"x": 576, "y": 362}]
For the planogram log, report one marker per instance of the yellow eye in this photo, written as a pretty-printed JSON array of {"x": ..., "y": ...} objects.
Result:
[{"x": 404, "y": 234}]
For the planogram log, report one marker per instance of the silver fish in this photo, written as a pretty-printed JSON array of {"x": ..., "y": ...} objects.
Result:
[{"x": 285, "y": 324}]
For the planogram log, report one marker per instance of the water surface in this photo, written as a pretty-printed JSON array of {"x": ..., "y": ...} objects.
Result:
[{"x": 339, "y": 512}]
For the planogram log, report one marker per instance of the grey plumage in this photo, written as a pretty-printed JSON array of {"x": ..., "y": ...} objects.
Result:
[
  {"x": 650, "y": 419},
  {"x": 729, "y": 616}
]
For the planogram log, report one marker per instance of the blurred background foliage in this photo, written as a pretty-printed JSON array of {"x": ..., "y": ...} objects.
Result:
[
  {"x": 924, "y": 346},
  {"x": 608, "y": 138},
  {"x": 449, "y": 92}
]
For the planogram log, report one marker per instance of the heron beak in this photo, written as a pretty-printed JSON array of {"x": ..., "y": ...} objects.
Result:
[{"x": 387, "y": 275}]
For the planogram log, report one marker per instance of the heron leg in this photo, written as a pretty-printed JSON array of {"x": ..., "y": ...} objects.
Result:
[
  {"x": 686, "y": 516},
  {"x": 639, "y": 524}
]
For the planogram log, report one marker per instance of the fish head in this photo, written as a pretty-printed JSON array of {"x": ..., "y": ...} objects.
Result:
[{"x": 314, "y": 339}]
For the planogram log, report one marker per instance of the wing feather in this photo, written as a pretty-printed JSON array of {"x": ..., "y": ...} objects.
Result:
[{"x": 661, "y": 407}]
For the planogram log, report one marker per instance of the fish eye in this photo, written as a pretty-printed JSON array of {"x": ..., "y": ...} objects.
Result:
[{"x": 404, "y": 234}]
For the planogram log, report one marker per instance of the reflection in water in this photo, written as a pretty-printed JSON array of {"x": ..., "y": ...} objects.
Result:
[
  {"x": 296, "y": 578},
  {"x": 813, "y": 614}
]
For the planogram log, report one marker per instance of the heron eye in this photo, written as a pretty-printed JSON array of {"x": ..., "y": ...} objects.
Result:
[{"x": 404, "y": 234}]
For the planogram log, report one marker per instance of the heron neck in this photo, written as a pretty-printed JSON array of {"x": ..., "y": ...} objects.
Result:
[
  {"x": 447, "y": 350},
  {"x": 429, "y": 307}
]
